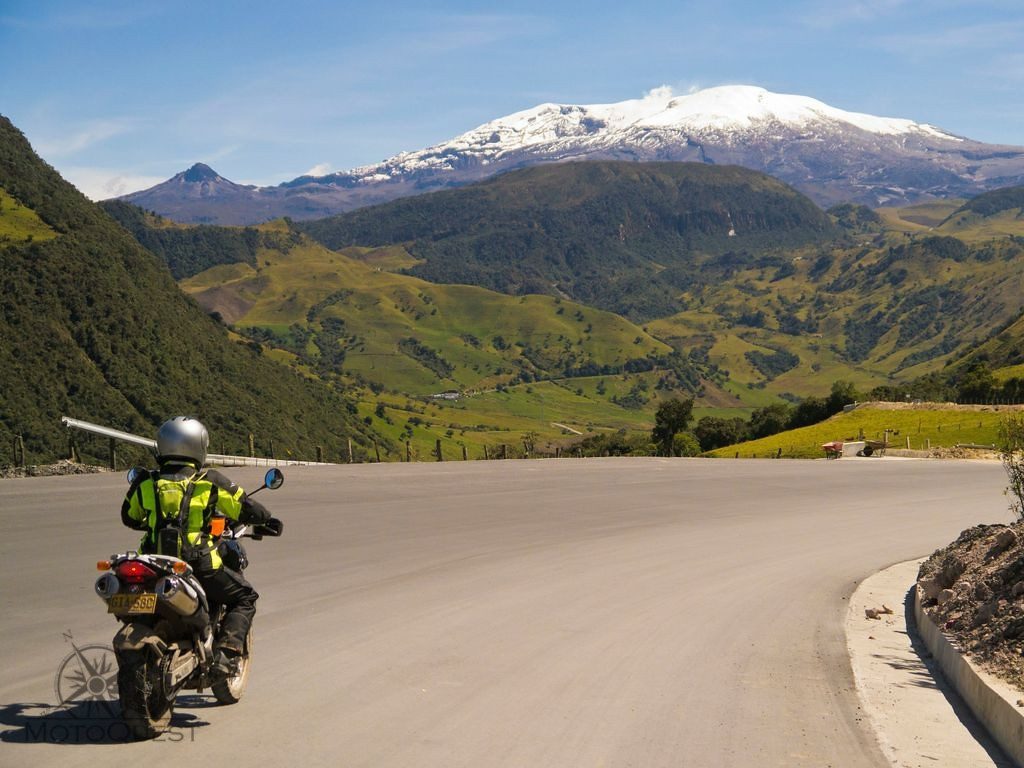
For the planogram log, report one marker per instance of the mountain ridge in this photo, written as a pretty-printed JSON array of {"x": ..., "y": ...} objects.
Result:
[{"x": 829, "y": 154}]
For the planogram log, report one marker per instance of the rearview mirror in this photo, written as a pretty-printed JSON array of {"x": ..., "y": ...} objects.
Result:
[
  {"x": 134, "y": 474},
  {"x": 274, "y": 479}
]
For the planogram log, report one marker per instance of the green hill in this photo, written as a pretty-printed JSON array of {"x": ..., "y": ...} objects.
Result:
[
  {"x": 94, "y": 327},
  {"x": 994, "y": 202},
  {"x": 625, "y": 237},
  {"x": 188, "y": 250},
  {"x": 916, "y": 427},
  {"x": 998, "y": 214},
  {"x": 341, "y": 313}
]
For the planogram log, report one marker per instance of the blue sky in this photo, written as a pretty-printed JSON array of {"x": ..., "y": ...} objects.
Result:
[{"x": 121, "y": 95}]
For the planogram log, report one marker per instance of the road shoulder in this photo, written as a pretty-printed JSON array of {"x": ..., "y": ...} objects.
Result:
[{"x": 918, "y": 719}]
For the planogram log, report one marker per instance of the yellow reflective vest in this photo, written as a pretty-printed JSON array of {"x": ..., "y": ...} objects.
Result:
[{"x": 184, "y": 497}]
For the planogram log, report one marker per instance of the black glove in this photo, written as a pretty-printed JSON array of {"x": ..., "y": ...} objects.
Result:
[{"x": 273, "y": 527}]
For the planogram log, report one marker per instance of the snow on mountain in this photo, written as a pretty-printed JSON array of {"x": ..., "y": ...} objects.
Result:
[
  {"x": 728, "y": 114},
  {"x": 827, "y": 153}
]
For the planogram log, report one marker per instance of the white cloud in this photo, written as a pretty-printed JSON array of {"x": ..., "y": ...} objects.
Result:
[
  {"x": 660, "y": 93},
  {"x": 104, "y": 183},
  {"x": 320, "y": 169}
]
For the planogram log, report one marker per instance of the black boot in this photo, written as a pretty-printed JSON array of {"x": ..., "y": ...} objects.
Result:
[{"x": 225, "y": 662}]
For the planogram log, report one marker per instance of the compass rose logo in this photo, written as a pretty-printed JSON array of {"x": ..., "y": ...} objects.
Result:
[{"x": 87, "y": 680}]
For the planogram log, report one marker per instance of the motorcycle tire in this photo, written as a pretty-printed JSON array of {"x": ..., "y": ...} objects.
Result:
[
  {"x": 230, "y": 689},
  {"x": 145, "y": 707}
]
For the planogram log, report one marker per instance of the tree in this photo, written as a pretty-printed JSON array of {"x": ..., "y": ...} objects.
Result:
[
  {"x": 770, "y": 420},
  {"x": 672, "y": 417},
  {"x": 685, "y": 444},
  {"x": 715, "y": 432},
  {"x": 977, "y": 385},
  {"x": 1011, "y": 448},
  {"x": 843, "y": 393},
  {"x": 810, "y": 411}
]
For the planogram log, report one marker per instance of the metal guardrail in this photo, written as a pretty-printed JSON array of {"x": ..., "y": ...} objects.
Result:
[{"x": 219, "y": 459}]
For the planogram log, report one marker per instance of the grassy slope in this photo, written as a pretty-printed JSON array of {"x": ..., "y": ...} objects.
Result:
[
  {"x": 20, "y": 224},
  {"x": 380, "y": 307},
  {"x": 953, "y": 217},
  {"x": 936, "y": 427},
  {"x": 461, "y": 323}
]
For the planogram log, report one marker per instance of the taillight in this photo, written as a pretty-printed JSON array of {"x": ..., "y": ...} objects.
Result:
[{"x": 133, "y": 572}]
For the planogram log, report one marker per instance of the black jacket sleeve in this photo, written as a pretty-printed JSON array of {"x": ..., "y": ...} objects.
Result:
[{"x": 251, "y": 510}]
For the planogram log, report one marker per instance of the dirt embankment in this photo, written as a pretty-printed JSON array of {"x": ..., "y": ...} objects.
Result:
[
  {"x": 917, "y": 406},
  {"x": 974, "y": 591},
  {"x": 49, "y": 470}
]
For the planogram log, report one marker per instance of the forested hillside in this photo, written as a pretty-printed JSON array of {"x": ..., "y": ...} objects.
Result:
[
  {"x": 189, "y": 250},
  {"x": 94, "y": 327},
  {"x": 625, "y": 237}
]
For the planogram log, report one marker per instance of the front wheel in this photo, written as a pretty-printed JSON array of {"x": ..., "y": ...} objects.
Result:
[
  {"x": 230, "y": 689},
  {"x": 145, "y": 707}
]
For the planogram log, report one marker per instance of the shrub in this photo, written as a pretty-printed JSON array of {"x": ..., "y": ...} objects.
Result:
[{"x": 1011, "y": 448}]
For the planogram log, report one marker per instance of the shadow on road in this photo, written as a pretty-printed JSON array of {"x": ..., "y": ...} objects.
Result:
[{"x": 85, "y": 722}]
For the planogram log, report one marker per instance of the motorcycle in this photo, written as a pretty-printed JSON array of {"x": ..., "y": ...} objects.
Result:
[{"x": 166, "y": 642}]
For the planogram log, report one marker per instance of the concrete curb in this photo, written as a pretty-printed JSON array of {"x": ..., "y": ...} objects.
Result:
[{"x": 991, "y": 701}]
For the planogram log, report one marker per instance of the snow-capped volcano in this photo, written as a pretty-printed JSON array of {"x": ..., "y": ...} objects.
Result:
[
  {"x": 729, "y": 115},
  {"x": 830, "y": 154}
]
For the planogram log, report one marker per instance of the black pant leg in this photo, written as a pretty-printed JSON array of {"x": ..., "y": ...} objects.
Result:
[{"x": 230, "y": 589}]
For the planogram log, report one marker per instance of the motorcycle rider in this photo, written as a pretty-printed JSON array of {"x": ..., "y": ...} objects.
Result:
[{"x": 174, "y": 505}]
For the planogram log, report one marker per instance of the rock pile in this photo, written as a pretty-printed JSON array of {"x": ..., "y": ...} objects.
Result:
[
  {"x": 974, "y": 590},
  {"x": 48, "y": 470}
]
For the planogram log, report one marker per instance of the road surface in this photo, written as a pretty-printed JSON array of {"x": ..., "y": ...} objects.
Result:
[{"x": 613, "y": 612}]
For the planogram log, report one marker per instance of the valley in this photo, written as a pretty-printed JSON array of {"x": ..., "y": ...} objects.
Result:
[{"x": 870, "y": 298}]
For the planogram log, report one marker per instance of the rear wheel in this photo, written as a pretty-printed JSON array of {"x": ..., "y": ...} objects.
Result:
[
  {"x": 230, "y": 689},
  {"x": 144, "y": 705}
]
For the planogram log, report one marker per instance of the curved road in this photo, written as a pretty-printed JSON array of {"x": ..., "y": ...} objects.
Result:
[{"x": 617, "y": 612}]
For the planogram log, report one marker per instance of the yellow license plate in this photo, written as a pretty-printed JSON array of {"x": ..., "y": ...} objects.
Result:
[{"x": 142, "y": 602}]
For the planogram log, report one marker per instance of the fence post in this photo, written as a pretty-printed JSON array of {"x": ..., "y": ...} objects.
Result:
[
  {"x": 465, "y": 454},
  {"x": 252, "y": 446},
  {"x": 319, "y": 454},
  {"x": 408, "y": 452},
  {"x": 113, "y": 453},
  {"x": 504, "y": 451},
  {"x": 437, "y": 450},
  {"x": 19, "y": 451},
  {"x": 351, "y": 456},
  {"x": 487, "y": 455},
  {"x": 272, "y": 450},
  {"x": 376, "y": 451}
]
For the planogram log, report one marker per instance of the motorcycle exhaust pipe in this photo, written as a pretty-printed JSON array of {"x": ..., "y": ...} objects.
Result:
[
  {"x": 107, "y": 586},
  {"x": 178, "y": 595}
]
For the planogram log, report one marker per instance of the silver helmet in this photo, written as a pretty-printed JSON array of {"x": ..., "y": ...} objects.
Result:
[{"x": 182, "y": 438}]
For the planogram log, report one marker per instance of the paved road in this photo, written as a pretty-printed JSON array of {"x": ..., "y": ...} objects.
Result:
[{"x": 616, "y": 612}]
